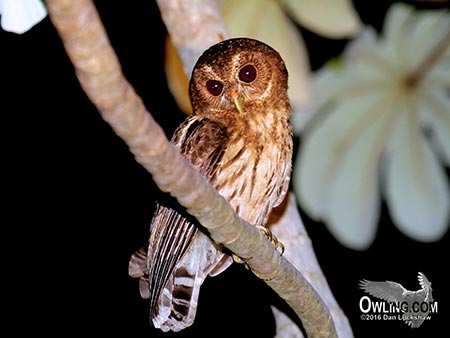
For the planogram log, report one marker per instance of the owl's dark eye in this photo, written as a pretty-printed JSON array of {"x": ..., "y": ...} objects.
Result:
[
  {"x": 214, "y": 87},
  {"x": 247, "y": 74}
]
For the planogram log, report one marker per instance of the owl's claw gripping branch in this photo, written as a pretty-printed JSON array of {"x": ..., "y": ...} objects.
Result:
[{"x": 272, "y": 238}]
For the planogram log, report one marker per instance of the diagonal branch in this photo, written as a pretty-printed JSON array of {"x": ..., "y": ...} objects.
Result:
[{"x": 100, "y": 75}]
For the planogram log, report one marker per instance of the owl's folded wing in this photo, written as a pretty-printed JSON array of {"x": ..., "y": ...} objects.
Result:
[{"x": 179, "y": 256}]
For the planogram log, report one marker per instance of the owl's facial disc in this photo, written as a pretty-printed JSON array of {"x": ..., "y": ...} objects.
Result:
[{"x": 238, "y": 100}]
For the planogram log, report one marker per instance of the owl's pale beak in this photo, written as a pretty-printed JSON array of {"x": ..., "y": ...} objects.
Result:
[{"x": 237, "y": 100}]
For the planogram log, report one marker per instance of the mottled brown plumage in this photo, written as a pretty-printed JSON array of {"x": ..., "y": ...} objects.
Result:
[{"x": 239, "y": 138}]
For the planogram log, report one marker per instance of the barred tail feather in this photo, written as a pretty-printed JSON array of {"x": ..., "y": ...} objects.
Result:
[
  {"x": 177, "y": 305},
  {"x": 173, "y": 267}
]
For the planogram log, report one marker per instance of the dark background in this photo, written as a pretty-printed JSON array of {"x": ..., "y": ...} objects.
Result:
[{"x": 77, "y": 204}]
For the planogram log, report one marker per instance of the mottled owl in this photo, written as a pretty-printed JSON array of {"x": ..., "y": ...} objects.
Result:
[{"x": 240, "y": 138}]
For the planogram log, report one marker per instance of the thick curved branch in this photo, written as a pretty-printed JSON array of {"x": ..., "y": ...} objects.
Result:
[{"x": 100, "y": 75}]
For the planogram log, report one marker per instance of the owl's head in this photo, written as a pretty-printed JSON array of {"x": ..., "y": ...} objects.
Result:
[{"x": 239, "y": 76}]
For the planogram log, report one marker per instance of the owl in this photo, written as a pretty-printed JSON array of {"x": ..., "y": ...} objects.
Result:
[{"x": 239, "y": 137}]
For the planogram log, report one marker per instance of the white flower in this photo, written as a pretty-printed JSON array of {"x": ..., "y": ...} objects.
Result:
[
  {"x": 387, "y": 109},
  {"x": 18, "y": 16}
]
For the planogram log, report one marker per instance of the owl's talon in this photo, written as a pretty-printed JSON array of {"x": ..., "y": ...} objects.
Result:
[
  {"x": 272, "y": 238},
  {"x": 281, "y": 247},
  {"x": 240, "y": 260}
]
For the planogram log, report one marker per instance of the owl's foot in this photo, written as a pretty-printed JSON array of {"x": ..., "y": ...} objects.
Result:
[{"x": 272, "y": 238}]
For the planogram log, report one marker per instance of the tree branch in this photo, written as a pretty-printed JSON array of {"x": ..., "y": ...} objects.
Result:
[
  {"x": 299, "y": 251},
  {"x": 100, "y": 75}
]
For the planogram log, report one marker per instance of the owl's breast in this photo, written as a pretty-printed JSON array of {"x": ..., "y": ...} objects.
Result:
[{"x": 254, "y": 173}]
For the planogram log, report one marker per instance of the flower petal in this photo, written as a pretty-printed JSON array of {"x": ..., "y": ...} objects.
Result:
[
  {"x": 395, "y": 21},
  {"x": 435, "y": 113},
  {"x": 416, "y": 188},
  {"x": 317, "y": 161},
  {"x": 439, "y": 75},
  {"x": 425, "y": 33},
  {"x": 364, "y": 58},
  {"x": 265, "y": 21},
  {"x": 335, "y": 19},
  {"x": 354, "y": 195},
  {"x": 20, "y": 16},
  {"x": 336, "y": 172},
  {"x": 396, "y": 33},
  {"x": 362, "y": 70}
]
